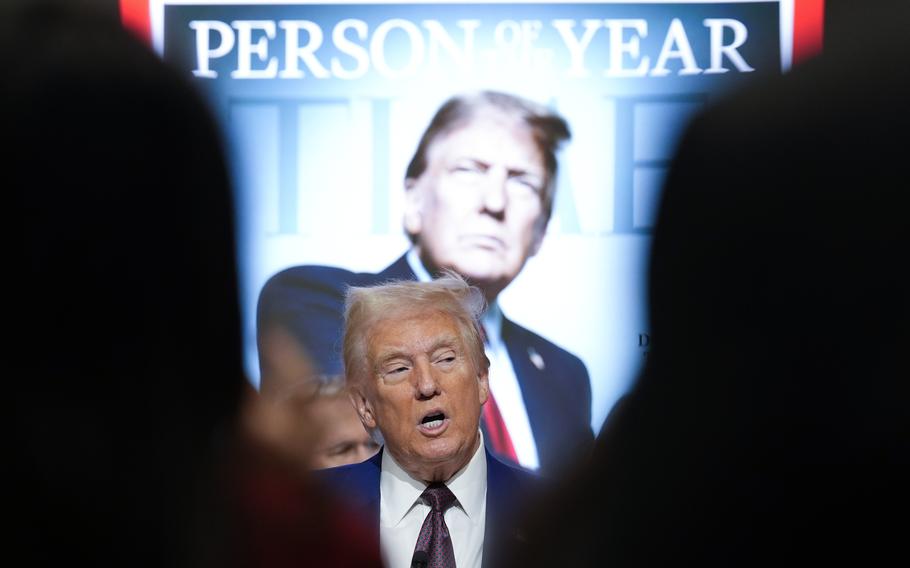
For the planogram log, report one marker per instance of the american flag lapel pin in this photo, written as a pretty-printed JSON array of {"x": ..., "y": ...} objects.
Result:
[{"x": 536, "y": 359}]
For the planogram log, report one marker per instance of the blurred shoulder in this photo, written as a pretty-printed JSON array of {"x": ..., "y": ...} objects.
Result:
[{"x": 357, "y": 484}]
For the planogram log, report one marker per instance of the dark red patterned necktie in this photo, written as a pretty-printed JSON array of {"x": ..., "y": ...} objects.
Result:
[
  {"x": 434, "y": 536},
  {"x": 497, "y": 435}
]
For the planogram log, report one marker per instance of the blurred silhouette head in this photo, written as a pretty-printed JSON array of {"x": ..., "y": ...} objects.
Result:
[
  {"x": 772, "y": 416},
  {"x": 771, "y": 419},
  {"x": 124, "y": 302},
  {"x": 283, "y": 362}
]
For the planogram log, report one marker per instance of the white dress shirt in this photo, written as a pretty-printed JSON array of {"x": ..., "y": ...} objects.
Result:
[
  {"x": 402, "y": 512},
  {"x": 503, "y": 381}
]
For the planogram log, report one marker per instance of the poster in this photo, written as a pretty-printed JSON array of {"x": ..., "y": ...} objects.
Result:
[{"x": 323, "y": 104}]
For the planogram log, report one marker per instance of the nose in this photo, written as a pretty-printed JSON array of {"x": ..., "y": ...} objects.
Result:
[
  {"x": 495, "y": 197},
  {"x": 427, "y": 385}
]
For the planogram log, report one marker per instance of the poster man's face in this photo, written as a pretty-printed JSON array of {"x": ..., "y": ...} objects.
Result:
[{"x": 477, "y": 208}]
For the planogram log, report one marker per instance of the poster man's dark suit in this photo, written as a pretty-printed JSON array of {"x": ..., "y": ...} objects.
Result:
[
  {"x": 308, "y": 302},
  {"x": 509, "y": 489}
]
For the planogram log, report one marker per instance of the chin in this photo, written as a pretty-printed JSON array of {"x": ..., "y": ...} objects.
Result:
[
  {"x": 441, "y": 450},
  {"x": 478, "y": 269}
]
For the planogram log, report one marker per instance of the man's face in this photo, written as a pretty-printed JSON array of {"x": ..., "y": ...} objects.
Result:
[
  {"x": 342, "y": 438},
  {"x": 477, "y": 208},
  {"x": 423, "y": 393}
]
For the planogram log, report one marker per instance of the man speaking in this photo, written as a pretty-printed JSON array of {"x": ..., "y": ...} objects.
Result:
[
  {"x": 418, "y": 377},
  {"x": 479, "y": 194}
]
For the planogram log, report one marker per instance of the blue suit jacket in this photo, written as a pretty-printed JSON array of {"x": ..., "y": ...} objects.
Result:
[
  {"x": 308, "y": 301},
  {"x": 508, "y": 490}
]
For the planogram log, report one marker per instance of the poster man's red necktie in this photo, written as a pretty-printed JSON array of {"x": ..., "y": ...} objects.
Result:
[
  {"x": 498, "y": 435},
  {"x": 499, "y": 439},
  {"x": 434, "y": 537}
]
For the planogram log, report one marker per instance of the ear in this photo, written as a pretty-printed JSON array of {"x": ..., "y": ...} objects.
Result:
[
  {"x": 413, "y": 203},
  {"x": 484, "y": 383},
  {"x": 363, "y": 407}
]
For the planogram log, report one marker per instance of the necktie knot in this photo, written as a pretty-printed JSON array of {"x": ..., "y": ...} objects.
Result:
[
  {"x": 434, "y": 538},
  {"x": 439, "y": 497}
]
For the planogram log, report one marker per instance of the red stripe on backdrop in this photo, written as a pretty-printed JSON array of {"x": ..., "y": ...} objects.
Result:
[
  {"x": 808, "y": 29},
  {"x": 135, "y": 17}
]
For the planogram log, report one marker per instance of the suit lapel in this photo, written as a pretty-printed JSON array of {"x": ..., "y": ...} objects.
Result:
[
  {"x": 370, "y": 494},
  {"x": 398, "y": 270},
  {"x": 500, "y": 532},
  {"x": 531, "y": 371},
  {"x": 496, "y": 485}
]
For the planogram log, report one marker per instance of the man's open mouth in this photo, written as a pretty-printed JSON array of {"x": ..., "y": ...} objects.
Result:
[
  {"x": 433, "y": 420},
  {"x": 433, "y": 423}
]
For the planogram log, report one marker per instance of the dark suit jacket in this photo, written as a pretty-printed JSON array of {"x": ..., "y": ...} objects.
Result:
[
  {"x": 308, "y": 301},
  {"x": 508, "y": 489}
]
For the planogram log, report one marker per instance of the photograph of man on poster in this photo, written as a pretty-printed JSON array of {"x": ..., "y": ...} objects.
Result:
[{"x": 479, "y": 193}]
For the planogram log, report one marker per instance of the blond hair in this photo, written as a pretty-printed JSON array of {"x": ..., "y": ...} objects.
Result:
[{"x": 450, "y": 294}]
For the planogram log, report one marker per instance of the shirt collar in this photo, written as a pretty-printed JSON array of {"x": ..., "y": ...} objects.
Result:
[
  {"x": 420, "y": 271},
  {"x": 492, "y": 324},
  {"x": 399, "y": 491}
]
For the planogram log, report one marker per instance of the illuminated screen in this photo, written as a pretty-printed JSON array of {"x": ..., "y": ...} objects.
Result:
[{"x": 324, "y": 104}]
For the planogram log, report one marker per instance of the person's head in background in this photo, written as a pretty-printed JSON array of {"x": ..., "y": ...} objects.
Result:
[
  {"x": 417, "y": 372},
  {"x": 123, "y": 311},
  {"x": 341, "y": 438},
  {"x": 480, "y": 186},
  {"x": 304, "y": 416}
]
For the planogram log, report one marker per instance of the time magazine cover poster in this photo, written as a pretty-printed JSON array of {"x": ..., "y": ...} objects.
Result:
[{"x": 324, "y": 105}]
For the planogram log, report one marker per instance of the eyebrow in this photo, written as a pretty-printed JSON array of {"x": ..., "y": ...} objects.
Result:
[
  {"x": 512, "y": 172},
  {"x": 446, "y": 341}
]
